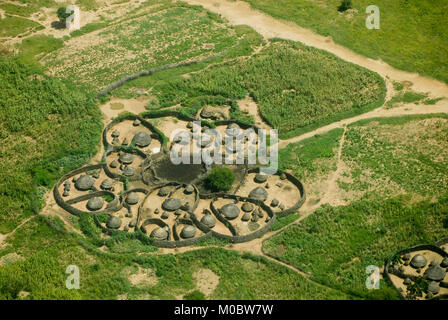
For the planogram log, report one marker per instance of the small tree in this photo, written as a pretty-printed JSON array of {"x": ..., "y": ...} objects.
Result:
[
  {"x": 220, "y": 179},
  {"x": 63, "y": 15},
  {"x": 345, "y": 5}
]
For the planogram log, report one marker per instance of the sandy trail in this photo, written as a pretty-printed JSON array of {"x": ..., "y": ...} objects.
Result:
[
  {"x": 241, "y": 13},
  {"x": 3, "y": 237},
  {"x": 410, "y": 109}
]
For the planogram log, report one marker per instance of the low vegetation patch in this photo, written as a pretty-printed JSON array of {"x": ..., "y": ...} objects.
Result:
[
  {"x": 47, "y": 128},
  {"x": 220, "y": 179},
  {"x": 297, "y": 88},
  {"x": 411, "y": 36},
  {"x": 405, "y": 155},
  {"x": 336, "y": 244},
  {"x": 171, "y": 34}
]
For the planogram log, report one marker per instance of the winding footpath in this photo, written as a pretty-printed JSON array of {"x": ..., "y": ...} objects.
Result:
[{"x": 241, "y": 13}]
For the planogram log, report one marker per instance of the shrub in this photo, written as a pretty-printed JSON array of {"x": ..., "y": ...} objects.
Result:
[
  {"x": 63, "y": 15},
  {"x": 194, "y": 295},
  {"x": 345, "y": 5},
  {"x": 220, "y": 179},
  {"x": 386, "y": 293}
]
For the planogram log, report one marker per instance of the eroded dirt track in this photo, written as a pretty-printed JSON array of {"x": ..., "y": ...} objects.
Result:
[{"x": 241, "y": 13}]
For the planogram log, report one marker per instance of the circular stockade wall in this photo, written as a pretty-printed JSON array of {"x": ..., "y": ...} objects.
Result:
[
  {"x": 235, "y": 238},
  {"x": 135, "y": 177},
  {"x": 155, "y": 133},
  {"x": 428, "y": 247},
  {"x": 66, "y": 205},
  {"x": 296, "y": 182},
  {"x": 118, "y": 203}
]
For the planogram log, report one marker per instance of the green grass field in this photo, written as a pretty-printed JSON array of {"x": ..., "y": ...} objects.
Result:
[
  {"x": 45, "y": 254},
  {"x": 12, "y": 26},
  {"x": 412, "y": 34},
  {"x": 407, "y": 155},
  {"x": 395, "y": 172},
  {"x": 46, "y": 129},
  {"x": 336, "y": 244},
  {"x": 164, "y": 35},
  {"x": 308, "y": 89}
]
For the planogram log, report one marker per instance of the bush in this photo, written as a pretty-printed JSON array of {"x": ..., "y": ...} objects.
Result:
[
  {"x": 194, "y": 295},
  {"x": 345, "y": 5},
  {"x": 63, "y": 15},
  {"x": 220, "y": 179},
  {"x": 386, "y": 293}
]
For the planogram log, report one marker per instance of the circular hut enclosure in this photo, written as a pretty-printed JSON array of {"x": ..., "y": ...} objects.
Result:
[
  {"x": 443, "y": 244},
  {"x": 76, "y": 191},
  {"x": 246, "y": 218},
  {"x": 185, "y": 229},
  {"x": 285, "y": 194},
  {"x": 169, "y": 203},
  {"x": 95, "y": 202},
  {"x": 203, "y": 210},
  {"x": 84, "y": 182},
  {"x": 425, "y": 261},
  {"x": 131, "y": 201},
  {"x": 123, "y": 163},
  {"x": 164, "y": 200},
  {"x": 133, "y": 131}
]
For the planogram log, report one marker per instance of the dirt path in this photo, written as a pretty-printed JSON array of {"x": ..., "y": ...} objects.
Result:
[
  {"x": 239, "y": 12},
  {"x": 3, "y": 237},
  {"x": 382, "y": 112}
]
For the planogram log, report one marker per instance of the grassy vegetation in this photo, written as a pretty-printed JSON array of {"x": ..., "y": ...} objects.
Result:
[
  {"x": 297, "y": 88},
  {"x": 12, "y": 26},
  {"x": 47, "y": 253},
  {"x": 220, "y": 179},
  {"x": 281, "y": 222},
  {"x": 397, "y": 169},
  {"x": 172, "y": 34},
  {"x": 23, "y": 11},
  {"x": 309, "y": 158},
  {"x": 411, "y": 36},
  {"x": 398, "y": 155},
  {"x": 46, "y": 129},
  {"x": 35, "y": 45},
  {"x": 336, "y": 244},
  {"x": 406, "y": 97}
]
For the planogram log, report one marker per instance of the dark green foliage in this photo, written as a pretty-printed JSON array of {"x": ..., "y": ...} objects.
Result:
[
  {"x": 47, "y": 128},
  {"x": 220, "y": 179},
  {"x": 63, "y": 14},
  {"x": 384, "y": 293},
  {"x": 297, "y": 88},
  {"x": 336, "y": 244},
  {"x": 345, "y": 5},
  {"x": 418, "y": 287},
  {"x": 194, "y": 295}
]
